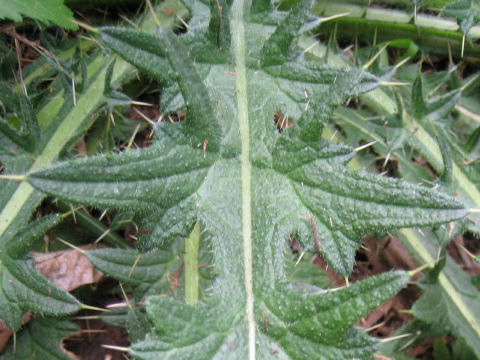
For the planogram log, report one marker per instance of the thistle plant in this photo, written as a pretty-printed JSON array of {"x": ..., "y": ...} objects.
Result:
[{"x": 244, "y": 170}]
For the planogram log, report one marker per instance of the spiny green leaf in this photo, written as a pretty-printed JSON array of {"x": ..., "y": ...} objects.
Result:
[
  {"x": 22, "y": 287},
  {"x": 134, "y": 319},
  {"x": 228, "y": 166},
  {"x": 201, "y": 123},
  {"x": 61, "y": 122},
  {"x": 19, "y": 246},
  {"x": 27, "y": 133},
  {"x": 413, "y": 333},
  {"x": 47, "y": 11},
  {"x": 294, "y": 325},
  {"x": 147, "y": 272},
  {"x": 305, "y": 272},
  {"x": 446, "y": 292},
  {"x": 435, "y": 109},
  {"x": 466, "y": 12},
  {"x": 277, "y": 47},
  {"x": 40, "y": 340}
]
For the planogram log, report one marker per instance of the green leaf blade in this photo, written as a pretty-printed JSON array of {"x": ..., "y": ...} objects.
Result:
[
  {"x": 466, "y": 12},
  {"x": 148, "y": 273},
  {"x": 41, "y": 340},
  {"x": 32, "y": 291},
  {"x": 123, "y": 180},
  {"x": 277, "y": 48},
  {"x": 22, "y": 288},
  {"x": 183, "y": 330},
  {"x": 44, "y": 10}
]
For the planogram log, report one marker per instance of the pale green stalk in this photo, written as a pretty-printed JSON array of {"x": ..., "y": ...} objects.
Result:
[
  {"x": 239, "y": 46},
  {"x": 192, "y": 244}
]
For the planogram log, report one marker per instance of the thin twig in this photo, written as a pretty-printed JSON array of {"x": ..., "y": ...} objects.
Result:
[{"x": 315, "y": 233}]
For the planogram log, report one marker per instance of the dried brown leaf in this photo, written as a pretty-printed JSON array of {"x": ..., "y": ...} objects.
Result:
[{"x": 68, "y": 269}]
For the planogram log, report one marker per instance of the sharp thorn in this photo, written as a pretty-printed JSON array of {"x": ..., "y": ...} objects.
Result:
[
  {"x": 375, "y": 57},
  {"x": 402, "y": 62},
  {"x": 13, "y": 177},
  {"x": 336, "y": 16},
  {"x": 363, "y": 147},
  {"x": 300, "y": 258},
  {"x": 141, "y": 103},
  {"x": 81, "y": 251},
  {"x": 421, "y": 268},
  {"x": 376, "y": 326},
  {"x": 87, "y": 317},
  {"x": 114, "y": 347},
  {"x": 105, "y": 233},
  {"x": 94, "y": 308},
  {"x": 393, "y": 83},
  {"x": 394, "y": 338},
  {"x": 87, "y": 27}
]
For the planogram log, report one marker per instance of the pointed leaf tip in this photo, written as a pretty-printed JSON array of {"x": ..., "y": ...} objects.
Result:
[{"x": 276, "y": 49}]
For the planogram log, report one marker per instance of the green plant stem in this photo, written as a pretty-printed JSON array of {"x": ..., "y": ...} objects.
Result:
[
  {"x": 51, "y": 109},
  {"x": 65, "y": 131},
  {"x": 431, "y": 5},
  {"x": 192, "y": 278},
  {"x": 432, "y": 33}
]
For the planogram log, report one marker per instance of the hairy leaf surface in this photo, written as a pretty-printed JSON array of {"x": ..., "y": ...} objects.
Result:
[
  {"x": 466, "y": 12},
  {"x": 23, "y": 147},
  {"x": 148, "y": 273},
  {"x": 41, "y": 339},
  {"x": 249, "y": 164},
  {"x": 22, "y": 288}
]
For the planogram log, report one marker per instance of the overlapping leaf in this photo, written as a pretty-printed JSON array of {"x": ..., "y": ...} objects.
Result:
[
  {"x": 19, "y": 137},
  {"x": 148, "y": 273},
  {"x": 47, "y": 11},
  {"x": 436, "y": 109},
  {"x": 41, "y": 339},
  {"x": 22, "y": 288},
  {"x": 250, "y": 186},
  {"x": 318, "y": 327},
  {"x": 466, "y": 12}
]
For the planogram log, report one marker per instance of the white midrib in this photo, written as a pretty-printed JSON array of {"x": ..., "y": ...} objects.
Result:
[{"x": 238, "y": 43}]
